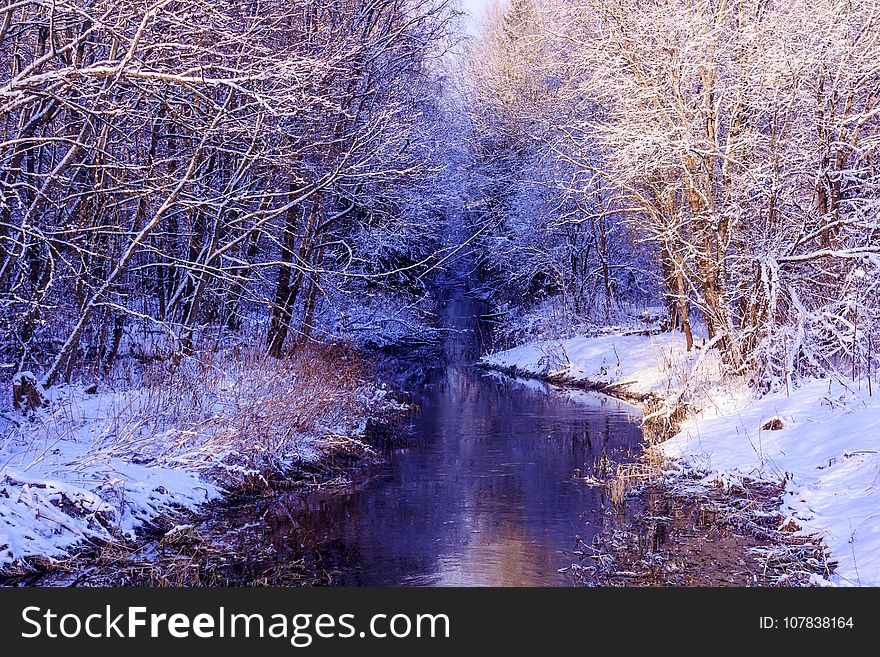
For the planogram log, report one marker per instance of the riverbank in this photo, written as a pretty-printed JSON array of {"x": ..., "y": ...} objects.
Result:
[
  {"x": 817, "y": 442},
  {"x": 676, "y": 532},
  {"x": 107, "y": 464}
]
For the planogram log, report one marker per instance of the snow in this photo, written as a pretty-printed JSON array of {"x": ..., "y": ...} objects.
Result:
[
  {"x": 638, "y": 364},
  {"x": 827, "y": 452},
  {"x": 59, "y": 484},
  {"x": 101, "y": 466},
  {"x": 23, "y": 376}
]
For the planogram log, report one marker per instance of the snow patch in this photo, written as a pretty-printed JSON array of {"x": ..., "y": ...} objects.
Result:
[{"x": 827, "y": 453}]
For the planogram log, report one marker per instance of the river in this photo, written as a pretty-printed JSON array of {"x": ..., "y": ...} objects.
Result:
[
  {"x": 485, "y": 489},
  {"x": 480, "y": 485}
]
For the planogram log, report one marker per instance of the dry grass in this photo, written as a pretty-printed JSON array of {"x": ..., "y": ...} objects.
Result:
[
  {"x": 245, "y": 412},
  {"x": 240, "y": 414},
  {"x": 662, "y": 419},
  {"x": 239, "y": 419},
  {"x": 629, "y": 476},
  {"x": 648, "y": 469}
]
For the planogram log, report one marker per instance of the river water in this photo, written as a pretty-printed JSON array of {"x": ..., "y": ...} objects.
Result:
[
  {"x": 485, "y": 490},
  {"x": 481, "y": 485}
]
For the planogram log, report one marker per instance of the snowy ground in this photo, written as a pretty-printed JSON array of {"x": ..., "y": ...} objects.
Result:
[
  {"x": 98, "y": 466},
  {"x": 637, "y": 365},
  {"x": 825, "y": 445},
  {"x": 60, "y": 481},
  {"x": 827, "y": 451}
]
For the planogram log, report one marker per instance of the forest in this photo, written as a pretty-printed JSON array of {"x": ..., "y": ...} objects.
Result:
[
  {"x": 186, "y": 172},
  {"x": 719, "y": 156},
  {"x": 217, "y": 216},
  {"x": 193, "y": 171}
]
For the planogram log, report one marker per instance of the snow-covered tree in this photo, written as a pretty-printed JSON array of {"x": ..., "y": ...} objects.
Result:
[
  {"x": 170, "y": 171},
  {"x": 735, "y": 142}
]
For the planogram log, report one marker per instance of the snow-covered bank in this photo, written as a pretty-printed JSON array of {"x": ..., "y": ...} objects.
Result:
[
  {"x": 61, "y": 481},
  {"x": 825, "y": 447},
  {"x": 636, "y": 366},
  {"x": 99, "y": 465},
  {"x": 821, "y": 438}
]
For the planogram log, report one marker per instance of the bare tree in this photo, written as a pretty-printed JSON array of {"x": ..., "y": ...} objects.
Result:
[{"x": 161, "y": 161}]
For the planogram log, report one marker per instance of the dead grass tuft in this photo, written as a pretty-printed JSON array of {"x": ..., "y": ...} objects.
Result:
[{"x": 240, "y": 415}]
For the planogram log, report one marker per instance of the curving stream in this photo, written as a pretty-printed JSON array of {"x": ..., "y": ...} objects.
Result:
[
  {"x": 484, "y": 493},
  {"x": 480, "y": 487}
]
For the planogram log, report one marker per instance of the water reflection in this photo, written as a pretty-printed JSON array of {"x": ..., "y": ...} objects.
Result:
[{"x": 483, "y": 493}]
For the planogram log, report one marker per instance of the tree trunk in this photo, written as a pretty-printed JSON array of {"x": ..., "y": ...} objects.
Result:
[{"x": 287, "y": 291}]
